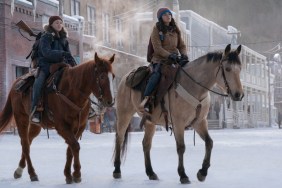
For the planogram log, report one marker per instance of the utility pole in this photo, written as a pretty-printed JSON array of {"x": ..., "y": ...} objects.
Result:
[
  {"x": 61, "y": 8},
  {"x": 269, "y": 96}
]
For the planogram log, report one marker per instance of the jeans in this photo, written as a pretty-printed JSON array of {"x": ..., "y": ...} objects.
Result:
[
  {"x": 153, "y": 80},
  {"x": 37, "y": 88}
]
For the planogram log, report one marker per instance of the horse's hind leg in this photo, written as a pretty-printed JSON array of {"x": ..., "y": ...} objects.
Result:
[
  {"x": 180, "y": 146},
  {"x": 202, "y": 130},
  {"x": 33, "y": 132},
  {"x": 26, "y": 136},
  {"x": 120, "y": 142},
  {"x": 147, "y": 145}
]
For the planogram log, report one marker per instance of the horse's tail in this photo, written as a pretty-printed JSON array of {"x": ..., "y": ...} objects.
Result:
[
  {"x": 123, "y": 146},
  {"x": 6, "y": 114}
]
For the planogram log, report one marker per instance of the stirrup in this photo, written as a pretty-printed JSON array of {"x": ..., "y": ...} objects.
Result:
[
  {"x": 35, "y": 116},
  {"x": 144, "y": 106},
  {"x": 35, "y": 119}
]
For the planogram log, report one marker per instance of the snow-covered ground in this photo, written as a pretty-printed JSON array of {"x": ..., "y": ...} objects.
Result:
[{"x": 246, "y": 158}]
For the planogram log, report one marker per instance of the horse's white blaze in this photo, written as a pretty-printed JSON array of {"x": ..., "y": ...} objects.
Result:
[{"x": 110, "y": 76}]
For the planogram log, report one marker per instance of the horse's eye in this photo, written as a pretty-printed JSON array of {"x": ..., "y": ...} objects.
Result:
[{"x": 228, "y": 69}]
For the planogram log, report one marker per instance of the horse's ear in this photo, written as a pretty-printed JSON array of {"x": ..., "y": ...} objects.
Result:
[
  {"x": 112, "y": 58},
  {"x": 96, "y": 58},
  {"x": 227, "y": 50},
  {"x": 238, "y": 50}
]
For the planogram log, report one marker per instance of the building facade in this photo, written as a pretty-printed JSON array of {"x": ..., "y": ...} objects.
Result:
[
  {"x": 123, "y": 28},
  {"x": 253, "y": 110},
  {"x": 16, "y": 46}
]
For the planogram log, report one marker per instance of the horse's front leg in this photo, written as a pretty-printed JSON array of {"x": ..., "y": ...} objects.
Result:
[
  {"x": 180, "y": 146},
  {"x": 147, "y": 145},
  {"x": 67, "y": 170},
  {"x": 73, "y": 152},
  {"x": 202, "y": 130}
]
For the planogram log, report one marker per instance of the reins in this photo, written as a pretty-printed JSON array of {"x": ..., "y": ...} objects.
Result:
[
  {"x": 224, "y": 78},
  {"x": 73, "y": 105},
  {"x": 70, "y": 103}
]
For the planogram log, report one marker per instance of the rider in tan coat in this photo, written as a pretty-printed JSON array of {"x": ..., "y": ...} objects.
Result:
[{"x": 168, "y": 45}]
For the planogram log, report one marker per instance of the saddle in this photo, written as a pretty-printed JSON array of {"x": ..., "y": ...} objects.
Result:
[
  {"x": 25, "y": 83},
  {"x": 138, "y": 79},
  {"x": 137, "y": 76},
  {"x": 168, "y": 76}
]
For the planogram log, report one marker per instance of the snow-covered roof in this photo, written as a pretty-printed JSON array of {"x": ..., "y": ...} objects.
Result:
[{"x": 24, "y": 2}]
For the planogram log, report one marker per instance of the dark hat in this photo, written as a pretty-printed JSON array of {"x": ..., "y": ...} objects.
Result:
[
  {"x": 54, "y": 18},
  {"x": 162, "y": 11}
]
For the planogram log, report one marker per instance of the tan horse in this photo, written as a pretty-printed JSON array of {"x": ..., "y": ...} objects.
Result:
[
  {"x": 187, "y": 103},
  {"x": 70, "y": 107}
]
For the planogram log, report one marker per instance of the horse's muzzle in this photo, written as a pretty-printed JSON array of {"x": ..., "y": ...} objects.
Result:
[
  {"x": 238, "y": 96},
  {"x": 108, "y": 103}
]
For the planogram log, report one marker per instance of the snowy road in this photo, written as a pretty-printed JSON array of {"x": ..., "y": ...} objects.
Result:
[{"x": 246, "y": 158}]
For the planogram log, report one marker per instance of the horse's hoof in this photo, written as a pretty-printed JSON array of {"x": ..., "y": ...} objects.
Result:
[
  {"x": 69, "y": 181},
  {"x": 154, "y": 177},
  {"x": 34, "y": 178},
  {"x": 117, "y": 175},
  {"x": 200, "y": 177},
  {"x": 185, "y": 180},
  {"x": 77, "y": 180},
  {"x": 17, "y": 175}
]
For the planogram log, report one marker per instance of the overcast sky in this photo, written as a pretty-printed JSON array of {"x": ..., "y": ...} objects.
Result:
[{"x": 258, "y": 20}]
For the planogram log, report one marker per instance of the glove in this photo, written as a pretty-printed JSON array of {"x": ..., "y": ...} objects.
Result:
[
  {"x": 173, "y": 57},
  {"x": 184, "y": 57},
  {"x": 183, "y": 60},
  {"x": 67, "y": 55}
]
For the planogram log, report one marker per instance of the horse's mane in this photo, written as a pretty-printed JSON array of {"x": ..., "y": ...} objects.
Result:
[
  {"x": 217, "y": 56},
  {"x": 86, "y": 70},
  {"x": 89, "y": 65}
]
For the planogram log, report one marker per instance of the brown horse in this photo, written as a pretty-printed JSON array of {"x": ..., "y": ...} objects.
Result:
[
  {"x": 187, "y": 103},
  {"x": 70, "y": 107}
]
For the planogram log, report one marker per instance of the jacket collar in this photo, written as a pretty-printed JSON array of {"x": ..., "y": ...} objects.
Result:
[{"x": 61, "y": 34}]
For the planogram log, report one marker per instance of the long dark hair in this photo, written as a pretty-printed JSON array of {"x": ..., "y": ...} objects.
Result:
[
  {"x": 61, "y": 34},
  {"x": 163, "y": 28}
]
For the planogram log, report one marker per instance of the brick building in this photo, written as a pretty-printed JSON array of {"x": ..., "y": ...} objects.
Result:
[
  {"x": 14, "y": 47},
  {"x": 107, "y": 27}
]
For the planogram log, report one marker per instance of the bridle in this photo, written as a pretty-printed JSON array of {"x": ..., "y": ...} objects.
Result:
[
  {"x": 101, "y": 94},
  {"x": 99, "y": 85},
  {"x": 223, "y": 75}
]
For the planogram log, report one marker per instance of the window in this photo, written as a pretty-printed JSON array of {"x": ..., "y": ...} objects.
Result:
[
  {"x": 91, "y": 17},
  {"x": 21, "y": 71},
  {"x": 119, "y": 32},
  {"x": 133, "y": 41},
  {"x": 75, "y": 7},
  {"x": 106, "y": 37}
]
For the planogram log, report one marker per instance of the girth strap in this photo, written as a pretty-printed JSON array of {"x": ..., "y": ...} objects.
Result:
[
  {"x": 189, "y": 98},
  {"x": 71, "y": 104}
]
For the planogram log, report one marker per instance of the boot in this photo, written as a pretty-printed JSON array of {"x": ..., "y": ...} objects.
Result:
[
  {"x": 144, "y": 107},
  {"x": 35, "y": 115}
]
